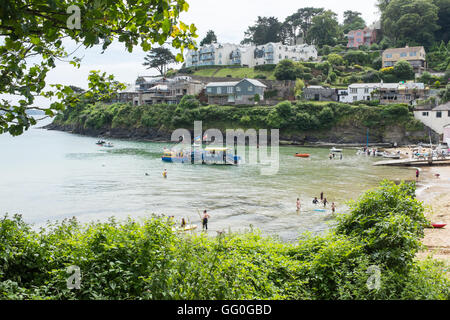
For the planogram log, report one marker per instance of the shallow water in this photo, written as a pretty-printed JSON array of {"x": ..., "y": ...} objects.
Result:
[{"x": 50, "y": 175}]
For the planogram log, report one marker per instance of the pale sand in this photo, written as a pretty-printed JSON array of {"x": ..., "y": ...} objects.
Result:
[{"x": 435, "y": 194}]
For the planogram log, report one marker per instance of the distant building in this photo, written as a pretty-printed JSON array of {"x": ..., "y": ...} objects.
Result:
[
  {"x": 156, "y": 90},
  {"x": 416, "y": 56},
  {"x": 357, "y": 38},
  {"x": 437, "y": 118},
  {"x": 319, "y": 93},
  {"x": 384, "y": 92},
  {"x": 226, "y": 54},
  {"x": 236, "y": 92}
]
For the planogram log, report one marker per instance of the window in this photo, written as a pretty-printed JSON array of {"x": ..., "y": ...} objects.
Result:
[
  {"x": 250, "y": 88},
  {"x": 366, "y": 90},
  {"x": 403, "y": 54},
  {"x": 219, "y": 90},
  {"x": 353, "y": 90},
  {"x": 230, "y": 90},
  {"x": 424, "y": 114},
  {"x": 448, "y": 115},
  {"x": 412, "y": 54},
  {"x": 439, "y": 114},
  {"x": 209, "y": 90},
  {"x": 238, "y": 89},
  {"x": 355, "y": 98},
  {"x": 388, "y": 55}
]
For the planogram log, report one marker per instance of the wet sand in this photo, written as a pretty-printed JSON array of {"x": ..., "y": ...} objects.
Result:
[{"x": 435, "y": 193}]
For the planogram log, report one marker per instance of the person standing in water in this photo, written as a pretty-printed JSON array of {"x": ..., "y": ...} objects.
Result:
[
  {"x": 183, "y": 223},
  {"x": 298, "y": 205},
  {"x": 315, "y": 201},
  {"x": 205, "y": 218},
  {"x": 164, "y": 173},
  {"x": 417, "y": 174},
  {"x": 321, "y": 196},
  {"x": 325, "y": 202},
  {"x": 333, "y": 207}
]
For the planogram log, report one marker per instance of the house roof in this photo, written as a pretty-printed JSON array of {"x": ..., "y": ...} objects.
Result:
[
  {"x": 159, "y": 87},
  {"x": 403, "y": 49},
  {"x": 443, "y": 107},
  {"x": 254, "y": 82}
]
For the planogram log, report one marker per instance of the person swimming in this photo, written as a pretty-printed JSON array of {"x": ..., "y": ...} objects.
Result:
[{"x": 315, "y": 201}]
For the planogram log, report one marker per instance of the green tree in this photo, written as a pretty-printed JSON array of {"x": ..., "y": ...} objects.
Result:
[
  {"x": 300, "y": 22},
  {"x": 285, "y": 70},
  {"x": 325, "y": 29},
  {"x": 412, "y": 22},
  {"x": 266, "y": 29},
  {"x": 159, "y": 59},
  {"x": 335, "y": 59},
  {"x": 209, "y": 38},
  {"x": 299, "y": 86},
  {"x": 36, "y": 28},
  {"x": 353, "y": 21},
  {"x": 443, "y": 34},
  {"x": 403, "y": 70}
]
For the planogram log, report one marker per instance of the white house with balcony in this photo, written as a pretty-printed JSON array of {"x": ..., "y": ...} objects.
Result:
[{"x": 227, "y": 54}]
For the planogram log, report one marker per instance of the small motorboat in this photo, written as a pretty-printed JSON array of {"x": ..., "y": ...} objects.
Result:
[
  {"x": 335, "y": 150},
  {"x": 439, "y": 225},
  {"x": 108, "y": 145},
  {"x": 302, "y": 155},
  {"x": 100, "y": 142},
  {"x": 391, "y": 156}
]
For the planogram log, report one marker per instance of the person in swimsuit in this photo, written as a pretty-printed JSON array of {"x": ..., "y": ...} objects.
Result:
[
  {"x": 183, "y": 223},
  {"x": 315, "y": 201},
  {"x": 325, "y": 202},
  {"x": 333, "y": 207},
  {"x": 205, "y": 218},
  {"x": 164, "y": 173},
  {"x": 298, "y": 204}
]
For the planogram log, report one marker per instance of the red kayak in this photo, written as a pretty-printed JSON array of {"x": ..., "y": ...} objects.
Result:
[
  {"x": 438, "y": 225},
  {"x": 302, "y": 155}
]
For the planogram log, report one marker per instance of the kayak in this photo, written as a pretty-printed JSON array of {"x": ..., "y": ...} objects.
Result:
[
  {"x": 438, "y": 225},
  {"x": 302, "y": 155}
]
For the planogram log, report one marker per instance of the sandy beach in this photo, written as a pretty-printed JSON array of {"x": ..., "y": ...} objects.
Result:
[{"x": 434, "y": 191}]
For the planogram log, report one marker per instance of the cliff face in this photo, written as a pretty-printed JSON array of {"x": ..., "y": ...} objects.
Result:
[{"x": 341, "y": 134}]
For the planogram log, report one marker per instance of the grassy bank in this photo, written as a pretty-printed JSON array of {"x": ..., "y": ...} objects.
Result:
[
  {"x": 319, "y": 119},
  {"x": 147, "y": 260}
]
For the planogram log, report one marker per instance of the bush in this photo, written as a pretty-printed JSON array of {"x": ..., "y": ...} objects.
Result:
[
  {"x": 335, "y": 59},
  {"x": 403, "y": 70},
  {"x": 389, "y": 222},
  {"x": 285, "y": 70},
  {"x": 265, "y": 67}
]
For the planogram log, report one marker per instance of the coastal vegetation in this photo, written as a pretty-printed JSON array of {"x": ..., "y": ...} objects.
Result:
[
  {"x": 290, "y": 118},
  {"x": 370, "y": 254}
]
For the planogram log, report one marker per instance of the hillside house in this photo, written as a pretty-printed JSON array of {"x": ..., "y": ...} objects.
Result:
[
  {"x": 236, "y": 92},
  {"x": 416, "y": 56}
]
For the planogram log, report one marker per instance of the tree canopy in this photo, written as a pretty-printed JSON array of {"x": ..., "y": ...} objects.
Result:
[
  {"x": 159, "y": 59},
  {"x": 325, "y": 29},
  {"x": 209, "y": 38},
  {"x": 412, "y": 22},
  {"x": 37, "y": 28},
  {"x": 353, "y": 21},
  {"x": 265, "y": 30}
]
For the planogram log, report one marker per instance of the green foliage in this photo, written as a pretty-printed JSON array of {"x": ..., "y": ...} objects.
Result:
[
  {"x": 335, "y": 59},
  {"x": 389, "y": 222},
  {"x": 148, "y": 260},
  {"x": 209, "y": 38},
  {"x": 159, "y": 59},
  {"x": 356, "y": 57},
  {"x": 36, "y": 29},
  {"x": 403, "y": 70},
  {"x": 286, "y": 70},
  {"x": 325, "y": 29},
  {"x": 412, "y": 22}
]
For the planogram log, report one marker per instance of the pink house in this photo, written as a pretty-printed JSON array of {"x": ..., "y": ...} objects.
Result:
[{"x": 361, "y": 37}]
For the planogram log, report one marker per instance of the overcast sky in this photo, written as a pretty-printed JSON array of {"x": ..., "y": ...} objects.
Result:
[{"x": 229, "y": 19}]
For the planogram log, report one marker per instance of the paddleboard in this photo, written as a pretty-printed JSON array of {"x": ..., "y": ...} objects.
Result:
[
  {"x": 320, "y": 210},
  {"x": 439, "y": 225}
]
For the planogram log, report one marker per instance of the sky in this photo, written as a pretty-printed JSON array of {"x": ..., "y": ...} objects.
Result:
[{"x": 228, "y": 19}]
